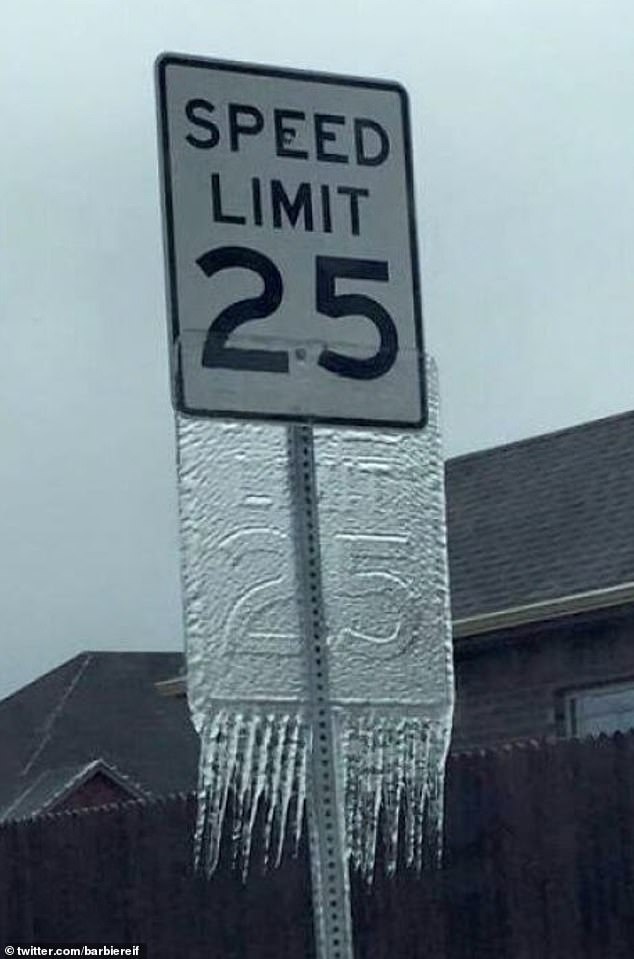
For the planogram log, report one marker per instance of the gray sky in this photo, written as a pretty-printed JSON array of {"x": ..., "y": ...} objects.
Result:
[{"x": 524, "y": 151}]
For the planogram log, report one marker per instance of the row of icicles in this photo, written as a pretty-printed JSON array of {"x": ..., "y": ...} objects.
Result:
[{"x": 254, "y": 773}]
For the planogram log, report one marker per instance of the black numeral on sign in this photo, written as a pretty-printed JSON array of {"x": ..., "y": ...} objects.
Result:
[
  {"x": 215, "y": 351},
  {"x": 331, "y": 303},
  {"x": 328, "y": 302}
]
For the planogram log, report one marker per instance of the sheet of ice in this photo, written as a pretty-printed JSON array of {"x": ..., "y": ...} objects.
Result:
[{"x": 386, "y": 597}]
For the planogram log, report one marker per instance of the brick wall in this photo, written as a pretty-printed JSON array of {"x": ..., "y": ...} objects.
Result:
[{"x": 510, "y": 684}]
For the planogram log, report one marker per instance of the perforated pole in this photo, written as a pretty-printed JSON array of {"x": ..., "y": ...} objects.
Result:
[{"x": 326, "y": 822}]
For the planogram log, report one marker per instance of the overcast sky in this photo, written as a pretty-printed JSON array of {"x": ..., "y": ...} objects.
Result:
[{"x": 524, "y": 151}]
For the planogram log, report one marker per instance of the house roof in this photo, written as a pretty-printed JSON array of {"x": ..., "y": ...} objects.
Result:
[
  {"x": 98, "y": 711},
  {"x": 547, "y": 517}
]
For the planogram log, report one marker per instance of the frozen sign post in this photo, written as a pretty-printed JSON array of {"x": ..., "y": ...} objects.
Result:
[{"x": 314, "y": 555}]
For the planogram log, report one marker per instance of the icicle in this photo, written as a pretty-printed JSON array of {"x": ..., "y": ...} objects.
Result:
[
  {"x": 433, "y": 840},
  {"x": 205, "y": 840},
  {"x": 374, "y": 780},
  {"x": 358, "y": 739},
  {"x": 302, "y": 773},
  {"x": 394, "y": 783},
  {"x": 259, "y": 789},
  {"x": 288, "y": 780},
  {"x": 243, "y": 784},
  {"x": 414, "y": 743},
  {"x": 273, "y": 792},
  {"x": 421, "y": 786}
]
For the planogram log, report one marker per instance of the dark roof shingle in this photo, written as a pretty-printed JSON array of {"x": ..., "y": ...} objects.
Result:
[{"x": 543, "y": 518}]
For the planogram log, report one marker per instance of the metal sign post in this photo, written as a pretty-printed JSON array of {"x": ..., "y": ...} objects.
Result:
[{"x": 326, "y": 823}]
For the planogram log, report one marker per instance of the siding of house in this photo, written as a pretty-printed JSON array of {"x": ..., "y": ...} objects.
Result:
[{"x": 510, "y": 684}]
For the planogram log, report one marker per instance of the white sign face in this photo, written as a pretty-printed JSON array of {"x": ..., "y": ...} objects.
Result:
[{"x": 290, "y": 245}]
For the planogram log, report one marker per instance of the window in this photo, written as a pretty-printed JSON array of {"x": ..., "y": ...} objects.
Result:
[{"x": 600, "y": 709}]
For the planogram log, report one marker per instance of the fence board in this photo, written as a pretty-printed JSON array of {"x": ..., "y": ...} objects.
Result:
[{"x": 539, "y": 864}]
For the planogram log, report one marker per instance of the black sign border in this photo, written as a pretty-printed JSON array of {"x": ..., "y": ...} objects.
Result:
[{"x": 165, "y": 60}]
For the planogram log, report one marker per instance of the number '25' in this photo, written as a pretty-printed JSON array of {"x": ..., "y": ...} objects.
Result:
[{"x": 328, "y": 302}]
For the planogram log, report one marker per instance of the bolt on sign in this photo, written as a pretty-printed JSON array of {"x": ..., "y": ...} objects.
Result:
[
  {"x": 291, "y": 245},
  {"x": 315, "y": 585}
]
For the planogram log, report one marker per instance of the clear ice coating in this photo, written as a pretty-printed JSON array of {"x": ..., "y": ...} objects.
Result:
[{"x": 386, "y": 599}]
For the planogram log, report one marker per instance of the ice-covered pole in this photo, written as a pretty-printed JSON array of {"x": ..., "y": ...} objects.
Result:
[{"x": 326, "y": 809}]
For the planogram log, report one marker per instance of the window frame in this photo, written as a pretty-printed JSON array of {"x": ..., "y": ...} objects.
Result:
[{"x": 568, "y": 706}]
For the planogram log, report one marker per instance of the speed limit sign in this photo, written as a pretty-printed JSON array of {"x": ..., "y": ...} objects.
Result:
[{"x": 290, "y": 244}]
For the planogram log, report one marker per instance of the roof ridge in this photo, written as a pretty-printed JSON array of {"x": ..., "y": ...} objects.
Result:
[
  {"x": 38, "y": 679},
  {"x": 20, "y": 796},
  {"x": 51, "y": 719},
  {"x": 131, "y": 652},
  {"x": 93, "y": 654}
]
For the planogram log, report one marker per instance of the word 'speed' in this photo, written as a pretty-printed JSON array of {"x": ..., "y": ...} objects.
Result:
[{"x": 325, "y": 137}]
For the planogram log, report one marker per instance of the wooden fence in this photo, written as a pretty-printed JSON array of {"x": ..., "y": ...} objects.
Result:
[{"x": 539, "y": 864}]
